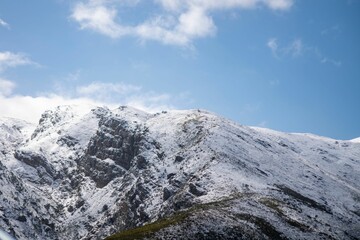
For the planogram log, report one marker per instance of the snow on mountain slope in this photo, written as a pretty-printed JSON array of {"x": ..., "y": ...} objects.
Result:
[{"x": 87, "y": 176}]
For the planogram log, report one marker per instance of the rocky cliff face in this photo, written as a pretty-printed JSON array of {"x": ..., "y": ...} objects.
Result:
[{"x": 191, "y": 174}]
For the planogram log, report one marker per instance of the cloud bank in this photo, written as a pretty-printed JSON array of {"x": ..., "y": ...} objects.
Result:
[
  {"x": 178, "y": 22},
  {"x": 86, "y": 97}
]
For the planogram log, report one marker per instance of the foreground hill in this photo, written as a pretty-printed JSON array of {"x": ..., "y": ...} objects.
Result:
[{"x": 173, "y": 175}]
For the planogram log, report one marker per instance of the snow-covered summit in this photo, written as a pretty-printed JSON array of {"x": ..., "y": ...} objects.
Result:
[{"x": 87, "y": 175}]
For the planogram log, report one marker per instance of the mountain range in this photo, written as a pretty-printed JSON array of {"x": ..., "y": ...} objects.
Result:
[{"x": 179, "y": 174}]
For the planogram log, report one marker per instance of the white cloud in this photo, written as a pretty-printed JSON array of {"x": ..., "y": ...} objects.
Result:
[
  {"x": 85, "y": 97},
  {"x": 98, "y": 17},
  {"x": 178, "y": 22},
  {"x": 152, "y": 31},
  {"x": 4, "y": 24},
  {"x": 9, "y": 59},
  {"x": 195, "y": 23},
  {"x": 6, "y": 87}
]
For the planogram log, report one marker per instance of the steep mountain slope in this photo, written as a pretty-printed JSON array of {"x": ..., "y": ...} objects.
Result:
[{"x": 191, "y": 173}]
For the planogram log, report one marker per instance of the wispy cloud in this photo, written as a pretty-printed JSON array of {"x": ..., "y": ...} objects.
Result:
[
  {"x": 250, "y": 108},
  {"x": 178, "y": 22},
  {"x": 294, "y": 48},
  {"x": 125, "y": 94},
  {"x": 4, "y": 24},
  {"x": 335, "y": 29},
  {"x": 297, "y": 48},
  {"x": 9, "y": 60},
  {"x": 73, "y": 76},
  {"x": 273, "y": 45},
  {"x": 105, "y": 91},
  {"x": 274, "y": 82},
  {"x": 140, "y": 66},
  {"x": 332, "y": 61},
  {"x": 262, "y": 124},
  {"x": 326, "y": 60}
]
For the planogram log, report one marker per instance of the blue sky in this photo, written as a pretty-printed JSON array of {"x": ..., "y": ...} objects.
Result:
[{"x": 289, "y": 65}]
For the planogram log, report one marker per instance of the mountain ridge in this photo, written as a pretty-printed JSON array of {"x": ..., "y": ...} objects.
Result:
[{"x": 89, "y": 176}]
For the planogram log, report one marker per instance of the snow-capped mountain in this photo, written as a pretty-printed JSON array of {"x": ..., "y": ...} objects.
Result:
[{"x": 190, "y": 174}]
